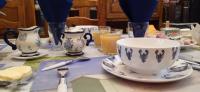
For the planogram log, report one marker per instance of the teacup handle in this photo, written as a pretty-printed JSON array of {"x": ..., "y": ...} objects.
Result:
[
  {"x": 5, "y": 37},
  {"x": 88, "y": 40}
]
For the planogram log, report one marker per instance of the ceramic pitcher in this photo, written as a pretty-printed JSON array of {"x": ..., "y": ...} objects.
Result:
[
  {"x": 28, "y": 40},
  {"x": 74, "y": 42}
]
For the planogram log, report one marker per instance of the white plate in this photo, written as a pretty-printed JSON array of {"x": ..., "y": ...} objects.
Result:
[
  {"x": 117, "y": 68},
  {"x": 23, "y": 81},
  {"x": 16, "y": 55},
  {"x": 187, "y": 46}
]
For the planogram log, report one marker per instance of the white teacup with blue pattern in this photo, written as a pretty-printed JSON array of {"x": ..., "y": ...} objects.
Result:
[{"x": 148, "y": 55}]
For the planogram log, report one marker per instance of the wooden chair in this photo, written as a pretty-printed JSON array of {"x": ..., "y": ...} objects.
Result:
[
  {"x": 73, "y": 21},
  {"x": 11, "y": 20},
  {"x": 84, "y": 10},
  {"x": 17, "y": 13}
]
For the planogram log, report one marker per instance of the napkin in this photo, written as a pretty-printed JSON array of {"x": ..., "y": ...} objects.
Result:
[
  {"x": 139, "y": 13},
  {"x": 138, "y": 10},
  {"x": 56, "y": 12},
  {"x": 48, "y": 80},
  {"x": 123, "y": 4},
  {"x": 2, "y": 3},
  {"x": 57, "y": 30}
]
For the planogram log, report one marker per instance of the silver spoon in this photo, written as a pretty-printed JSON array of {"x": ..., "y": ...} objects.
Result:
[{"x": 62, "y": 86}]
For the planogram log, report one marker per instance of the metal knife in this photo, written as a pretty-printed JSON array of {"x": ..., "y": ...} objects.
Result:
[
  {"x": 64, "y": 63},
  {"x": 57, "y": 65}
]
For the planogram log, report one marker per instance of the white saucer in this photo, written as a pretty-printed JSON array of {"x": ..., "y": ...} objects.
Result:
[
  {"x": 117, "y": 68},
  {"x": 17, "y": 55},
  {"x": 88, "y": 27}
]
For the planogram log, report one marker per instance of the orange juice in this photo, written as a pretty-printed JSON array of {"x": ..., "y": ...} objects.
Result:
[
  {"x": 96, "y": 37},
  {"x": 108, "y": 43}
]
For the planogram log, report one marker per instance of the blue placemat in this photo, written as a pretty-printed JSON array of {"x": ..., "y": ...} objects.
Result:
[
  {"x": 49, "y": 79},
  {"x": 2, "y": 65},
  {"x": 2, "y": 46}
]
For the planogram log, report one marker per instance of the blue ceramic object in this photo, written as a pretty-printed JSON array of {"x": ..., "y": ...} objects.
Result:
[
  {"x": 2, "y": 3},
  {"x": 27, "y": 42},
  {"x": 56, "y": 12}
]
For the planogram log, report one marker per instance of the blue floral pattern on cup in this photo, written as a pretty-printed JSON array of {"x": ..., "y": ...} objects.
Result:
[
  {"x": 78, "y": 48},
  {"x": 22, "y": 36},
  {"x": 69, "y": 43},
  {"x": 174, "y": 52},
  {"x": 129, "y": 53},
  {"x": 119, "y": 50},
  {"x": 30, "y": 48},
  {"x": 159, "y": 56},
  {"x": 38, "y": 42},
  {"x": 19, "y": 47},
  {"x": 143, "y": 55}
]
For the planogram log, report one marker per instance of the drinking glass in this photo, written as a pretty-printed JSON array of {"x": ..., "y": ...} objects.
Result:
[
  {"x": 130, "y": 30},
  {"x": 97, "y": 35},
  {"x": 108, "y": 42}
]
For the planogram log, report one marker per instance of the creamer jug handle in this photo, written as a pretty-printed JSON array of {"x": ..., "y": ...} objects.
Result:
[{"x": 5, "y": 37}]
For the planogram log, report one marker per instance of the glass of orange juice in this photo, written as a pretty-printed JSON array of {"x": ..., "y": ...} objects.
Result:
[
  {"x": 96, "y": 35},
  {"x": 108, "y": 42}
]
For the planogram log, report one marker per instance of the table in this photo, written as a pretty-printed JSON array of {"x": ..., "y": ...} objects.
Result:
[
  {"x": 89, "y": 52},
  {"x": 191, "y": 84}
]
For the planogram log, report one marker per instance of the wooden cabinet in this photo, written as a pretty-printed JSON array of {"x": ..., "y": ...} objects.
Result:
[
  {"x": 114, "y": 12},
  {"x": 18, "y": 13},
  {"x": 111, "y": 11}
]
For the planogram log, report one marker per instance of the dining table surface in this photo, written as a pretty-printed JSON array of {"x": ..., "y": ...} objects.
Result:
[{"x": 189, "y": 84}]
